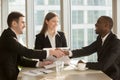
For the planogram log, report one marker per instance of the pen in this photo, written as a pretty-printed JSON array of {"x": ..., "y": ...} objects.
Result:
[{"x": 43, "y": 72}]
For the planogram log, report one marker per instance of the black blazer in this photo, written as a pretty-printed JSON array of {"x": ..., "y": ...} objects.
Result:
[
  {"x": 108, "y": 55},
  {"x": 44, "y": 42},
  {"x": 11, "y": 55}
]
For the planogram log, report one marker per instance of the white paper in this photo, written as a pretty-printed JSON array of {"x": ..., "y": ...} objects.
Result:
[
  {"x": 37, "y": 72},
  {"x": 32, "y": 73},
  {"x": 65, "y": 59},
  {"x": 50, "y": 66}
]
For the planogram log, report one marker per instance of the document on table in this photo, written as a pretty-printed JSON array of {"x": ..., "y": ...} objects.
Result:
[
  {"x": 37, "y": 72},
  {"x": 66, "y": 59}
]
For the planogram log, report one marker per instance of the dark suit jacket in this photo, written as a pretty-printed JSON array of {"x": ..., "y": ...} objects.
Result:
[
  {"x": 108, "y": 56},
  {"x": 44, "y": 42},
  {"x": 11, "y": 55}
]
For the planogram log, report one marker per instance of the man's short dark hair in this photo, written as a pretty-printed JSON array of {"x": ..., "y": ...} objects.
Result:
[
  {"x": 13, "y": 16},
  {"x": 109, "y": 20}
]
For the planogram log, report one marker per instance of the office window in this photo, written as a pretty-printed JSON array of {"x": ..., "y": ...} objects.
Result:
[
  {"x": 54, "y": 2},
  {"x": 94, "y": 14},
  {"x": 40, "y": 10},
  {"x": 39, "y": 2},
  {"x": 38, "y": 17},
  {"x": 91, "y": 35},
  {"x": 18, "y": 5},
  {"x": 77, "y": 2},
  {"x": 83, "y": 22},
  {"x": 77, "y": 41},
  {"x": 77, "y": 17},
  {"x": 96, "y": 2},
  {"x": 11, "y": 0}
]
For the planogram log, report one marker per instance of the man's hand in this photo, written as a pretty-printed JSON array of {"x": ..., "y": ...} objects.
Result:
[
  {"x": 66, "y": 52},
  {"x": 44, "y": 63},
  {"x": 57, "y": 53}
]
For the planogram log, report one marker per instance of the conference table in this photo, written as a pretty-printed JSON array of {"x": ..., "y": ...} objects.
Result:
[{"x": 67, "y": 74}]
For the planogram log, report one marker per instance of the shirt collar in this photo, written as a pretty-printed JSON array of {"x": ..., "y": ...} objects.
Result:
[
  {"x": 14, "y": 32},
  {"x": 104, "y": 38},
  {"x": 56, "y": 33}
]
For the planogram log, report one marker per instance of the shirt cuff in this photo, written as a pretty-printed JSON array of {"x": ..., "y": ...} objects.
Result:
[
  {"x": 37, "y": 64},
  {"x": 85, "y": 64},
  {"x": 48, "y": 53},
  {"x": 70, "y": 53}
]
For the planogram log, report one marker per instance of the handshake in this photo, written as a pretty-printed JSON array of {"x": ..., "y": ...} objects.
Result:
[{"x": 58, "y": 52}]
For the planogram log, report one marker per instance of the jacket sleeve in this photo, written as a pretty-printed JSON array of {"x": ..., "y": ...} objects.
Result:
[
  {"x": 25, "y": 62},
  {"x": 85, "y": 50},
  {"x": 16, "y": 48}
]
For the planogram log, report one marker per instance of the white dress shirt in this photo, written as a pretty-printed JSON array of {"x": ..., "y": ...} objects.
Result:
[
  {"x": 104, "y": 38},
  {"x": 52, "y": 38}
]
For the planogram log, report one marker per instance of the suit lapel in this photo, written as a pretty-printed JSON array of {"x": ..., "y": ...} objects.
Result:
[
  {"x": 11, "y": 33},
  {"x": 106, "y": 44},
  {"x": 99, "y": 45},
  {"x": 58, "y": 41},
  {"x": 47, "y": 43}
]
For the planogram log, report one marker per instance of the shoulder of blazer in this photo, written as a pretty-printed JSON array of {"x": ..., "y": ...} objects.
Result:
[
  {"x": 40, "y": 36},
  {"x": 60, "y": 33},
  {"x": 112, "y": 39},
  {"x": 8, "y": 33},
  {"x": 112, "y": 36}
]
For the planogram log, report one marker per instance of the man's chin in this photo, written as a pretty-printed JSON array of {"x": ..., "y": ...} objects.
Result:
[{"x": 96, "y": 32}]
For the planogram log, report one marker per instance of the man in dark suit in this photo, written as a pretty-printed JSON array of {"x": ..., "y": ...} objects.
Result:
[
  {"x": 12, "y": 52},
  {"x": 107, "y": 47}
]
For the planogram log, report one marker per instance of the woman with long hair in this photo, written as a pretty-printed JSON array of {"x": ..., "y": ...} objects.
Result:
[{"x": 49, "y": 37}]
